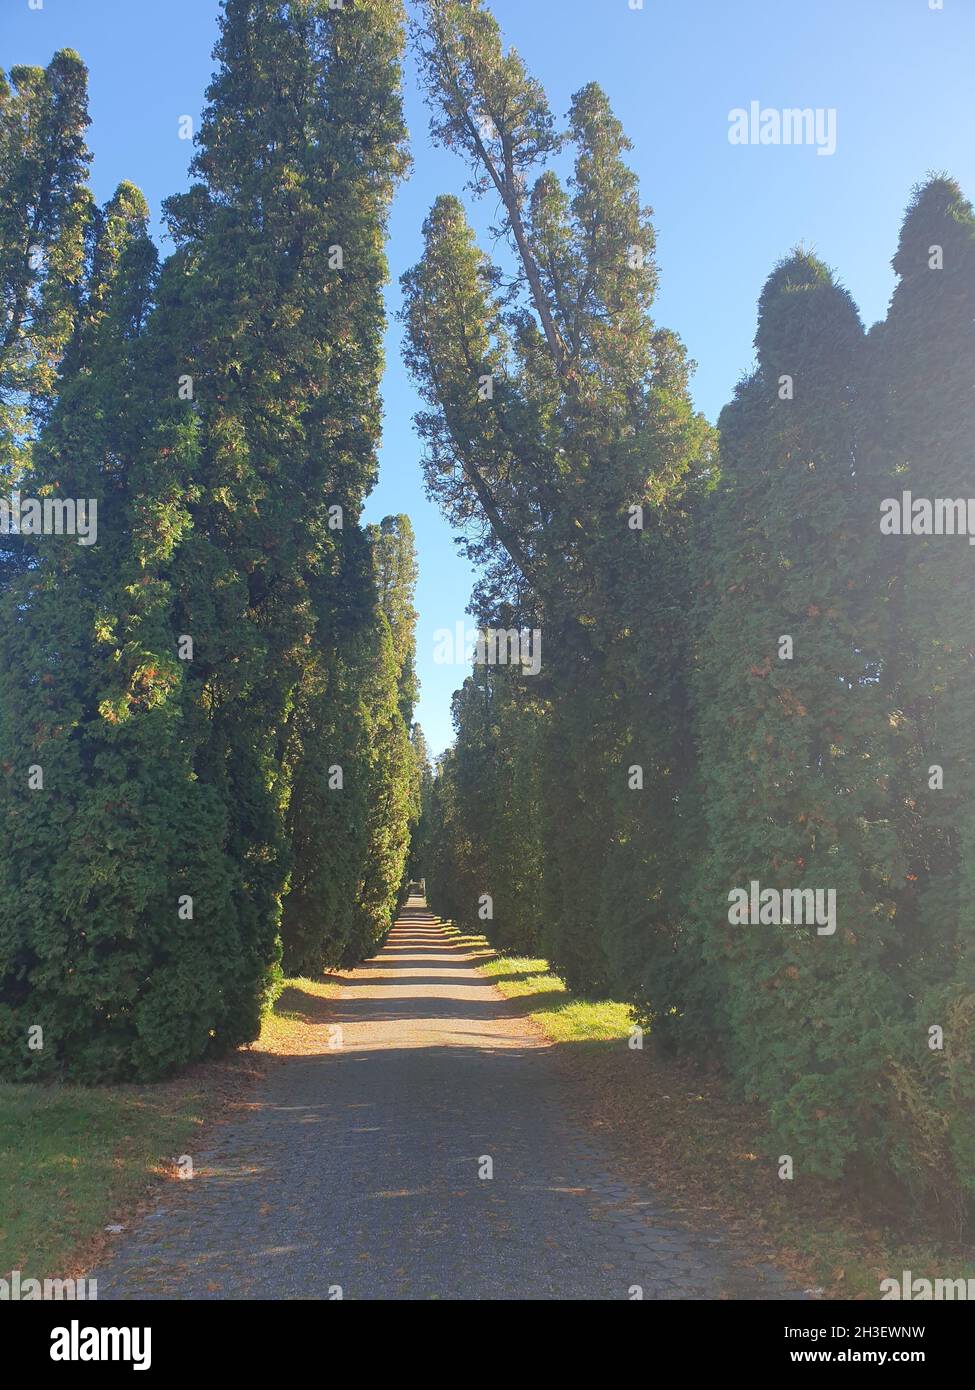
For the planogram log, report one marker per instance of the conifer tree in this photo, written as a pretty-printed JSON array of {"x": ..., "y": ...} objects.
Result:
[
  {"x": 559, "y": 413},
  {"x": 419, "y": 851},
  {"x": 327, "y": 764},
  {"x": 485, "y": 803},
  {"x": 917, "y": 429},
  {"x": 229, "y": 433},
  {"x": 458, "y": 870},
  {"x": 392, "y": 690},
  {"x": 792, "y": 734},
  {"x": 274, "y": 298},
  {"x": 116, "y": 927},
  {"x": 45, "y": 240},
  {"x": 354, "y": 795}
]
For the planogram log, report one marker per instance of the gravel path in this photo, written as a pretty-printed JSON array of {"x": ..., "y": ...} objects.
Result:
[{"x": 356, "y": 1174}]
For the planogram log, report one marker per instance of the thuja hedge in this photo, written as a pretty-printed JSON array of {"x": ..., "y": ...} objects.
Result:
[{"x": 209, "y": 708}]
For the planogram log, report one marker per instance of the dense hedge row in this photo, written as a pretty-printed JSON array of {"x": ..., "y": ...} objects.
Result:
[
  {"x": 205, "y": 716},
  {"x": 744, "y": 680}
]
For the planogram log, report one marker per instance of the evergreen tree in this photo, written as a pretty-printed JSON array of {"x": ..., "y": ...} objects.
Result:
[
  {"x": 328, "y": 763},
  {"x": 274, "y": 300},
  {"x": 392, "y": 685},
  {"x": 354, "y": 795},
  {"x": 45, "y": 240},
  {"x": 116, "y": 923},
  {"x": 457, "y": 871},
  {"x": 482, "y": 843},
  {"x": 917, "y": 428},
  {"x": 422, "y": 789},
  {"x": 793, "y": 735},
  {"x": 230, "y": 436},
  {"x": 559, "y": 415}
]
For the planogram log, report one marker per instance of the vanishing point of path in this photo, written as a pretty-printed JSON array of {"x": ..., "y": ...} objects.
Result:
[{"x": 358, "y": 1167}]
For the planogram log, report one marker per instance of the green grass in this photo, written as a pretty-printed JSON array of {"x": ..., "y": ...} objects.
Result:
[
  {"x": 300, "y": 1018},
  {"x": 564, "y": 1017},
  {"x": 75, "y": 1158}
]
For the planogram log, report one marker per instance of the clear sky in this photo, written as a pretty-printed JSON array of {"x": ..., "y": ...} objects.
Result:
[{"x": 898, "y": 73}]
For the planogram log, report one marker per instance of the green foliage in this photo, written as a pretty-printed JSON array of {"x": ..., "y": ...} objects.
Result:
[
  {"x": 918, "y": 429},
  {"x": 224, "y": 412},
  {"x": 672, "y": 749},
  {"x": 794, "y": 744},
  {"x": 94, "y": 862},
  {"x": 481, "y": 831},
  {"x": 46, "y": 231},
  {"x": 356, "y": 777},
  {"x": 587, "y": 417},
  {"x": 742, "y": 679}
]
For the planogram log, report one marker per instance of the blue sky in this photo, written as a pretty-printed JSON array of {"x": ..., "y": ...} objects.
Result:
[{"x": 898, "y": 73}]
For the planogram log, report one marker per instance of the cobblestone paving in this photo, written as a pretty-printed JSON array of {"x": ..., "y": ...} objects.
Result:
[{"x": 358, "y": 1168}]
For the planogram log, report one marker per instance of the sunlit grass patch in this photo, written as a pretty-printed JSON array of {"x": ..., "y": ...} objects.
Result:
[
  {"x": 300, "y": 1015},
  {"x": 74, "y": 1157},
  {"x": 563, "y": 1016}
]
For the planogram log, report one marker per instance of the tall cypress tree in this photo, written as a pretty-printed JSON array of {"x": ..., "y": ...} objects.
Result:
[
  {"x": 422, "y": 794},
  {"x": 392, "y": 801},
  {"x": 792, "y": 733},
  {"x": 354, "y": 796},
  {"x": 107, "y": 836},
  {"x": 230, "y": 443},
  {"x": 46, "y": 225},
  {"x": 917, "y": 430},
  {"x": 463, "y": 826},
  {"x": 559, "y": 413},
  {"x": 497, "y": 800},
  {"x": 275, "y": 299},
  {"x": 329, "y": 760}
]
